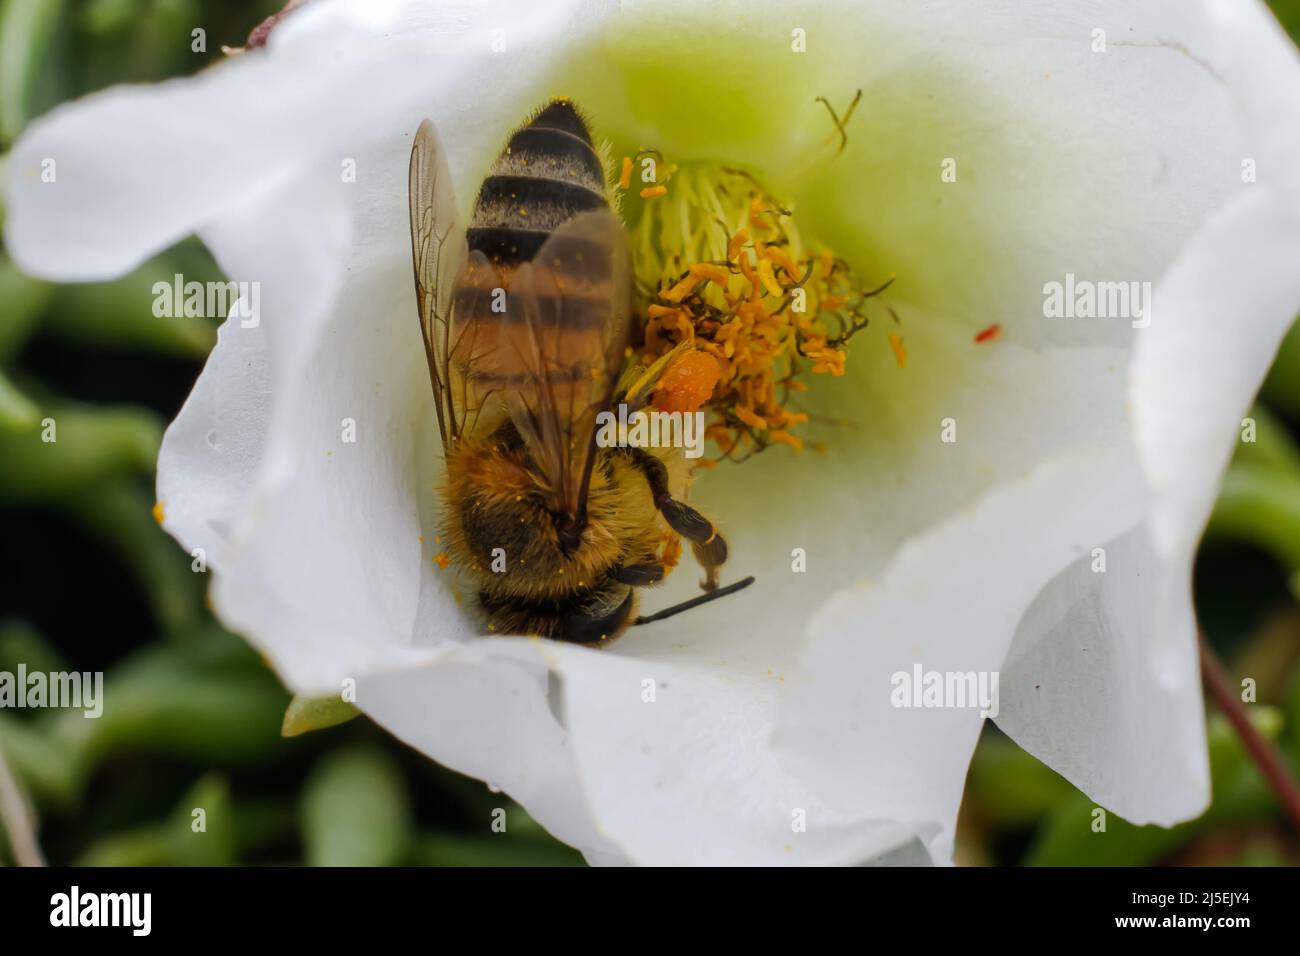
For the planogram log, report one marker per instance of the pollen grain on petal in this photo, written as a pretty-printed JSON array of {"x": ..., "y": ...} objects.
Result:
[{"x": 900, "y": 350}]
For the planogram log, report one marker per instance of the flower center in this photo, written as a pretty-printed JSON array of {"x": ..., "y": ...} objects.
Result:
[{"x": 725, "y": 278}]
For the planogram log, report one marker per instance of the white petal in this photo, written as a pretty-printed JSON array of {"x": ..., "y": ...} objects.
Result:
[
  {"x": 1223, "y": 311},
  {"x": 213, "y": 452},
  {"x": 1100, "y": 655},
  {"x": 1117, "y": 650},
  {"x": 948, "y": 603},
  {"x": 489, "y": 710},
  {"x": 1066, "y": 160},
  {"x": 140, "y": 167},
  {"x": 1102, "y": 682}
]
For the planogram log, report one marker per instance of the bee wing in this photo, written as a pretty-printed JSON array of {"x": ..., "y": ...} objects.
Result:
[
  {"x": 437, "y": 251},
  {"x": 483, "y": 343},
  {"x": 571, "y": 306}
]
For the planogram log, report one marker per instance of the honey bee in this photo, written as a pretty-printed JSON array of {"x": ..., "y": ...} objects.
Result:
[{"x": 526, "y": 318}]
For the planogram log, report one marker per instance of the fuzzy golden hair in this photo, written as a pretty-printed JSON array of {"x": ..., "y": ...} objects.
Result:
[{"x": 494, "y": 499}]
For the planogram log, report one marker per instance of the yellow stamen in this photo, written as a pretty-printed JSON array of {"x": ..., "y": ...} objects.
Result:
[
  {"x": 744, "y": 316},
  {"x": 681, "y": 290},
  {"x": 769, "y": 278},
  {"x": 782, "y": 259},
  {"x": 736, "y": 244},
  {"x": 749, "y": 418}
]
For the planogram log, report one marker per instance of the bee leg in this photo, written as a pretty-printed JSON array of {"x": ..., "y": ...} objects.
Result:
[
  {"x": 712, "y": 555},
  {"x": 639, "y": 575},
  {"x": 709, "y": 546}
]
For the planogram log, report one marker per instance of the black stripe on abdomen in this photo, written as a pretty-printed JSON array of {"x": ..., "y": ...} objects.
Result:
[
  {"x": 528, "y": 202},
  {"x": 555, "y": 152},
  {"x": 507, "y": 247},
  {"x": 564, "y": 311},
  {"x": 530, "y": 191}
]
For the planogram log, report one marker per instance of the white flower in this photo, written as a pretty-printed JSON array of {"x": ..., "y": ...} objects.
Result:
[{"x": 1104, "y": 141}]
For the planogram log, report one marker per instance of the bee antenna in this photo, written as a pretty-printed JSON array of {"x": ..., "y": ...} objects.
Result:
[{"x": 696, "y": 601}]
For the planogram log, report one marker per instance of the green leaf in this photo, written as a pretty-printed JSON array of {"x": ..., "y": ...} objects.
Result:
[
  {"x": 120, "y": 313},
  {"x": 1291, "y": 717},
  {"x": 208, "y": 700},
  {"x": 200, "y": 832},
  {"x": 453, "y": 849},
  {"x": 1273, "y": 445},
  {"x": 48, "y": 768},
  {"x": 1010, "y": 787},
  {"x": 202, "y": 828},
  {"x": 106, "y": 17},
  {"x": 20, "y": 643},
  {"x": 25, "y": 300},
  {"x": 121, "y": 513},
  {"x": 1282, "y": 387},
  {"x": 76, "y": 446},
  {"x": 26, "y": 28},
  {"x": 355, "y": 810},
  {"x": 305, "y": 714},
  {"x": 17, "y": 412},
  {"x": 1260, "y": 503},
  {"x": 1288, "y": 12},
  {"x": 141, "y": 846}
]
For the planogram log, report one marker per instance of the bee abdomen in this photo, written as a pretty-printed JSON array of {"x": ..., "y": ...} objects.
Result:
[
  {"x": 586, "y": 617},
  {"x": 525, "y": 202},
  {"x": 548, "y": 174}
]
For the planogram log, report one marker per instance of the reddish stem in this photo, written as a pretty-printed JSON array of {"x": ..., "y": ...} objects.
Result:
[{"x": 1226, "y": 697}]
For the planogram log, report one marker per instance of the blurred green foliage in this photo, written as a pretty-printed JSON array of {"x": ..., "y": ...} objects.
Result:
[{"x": 189, "y": 767}]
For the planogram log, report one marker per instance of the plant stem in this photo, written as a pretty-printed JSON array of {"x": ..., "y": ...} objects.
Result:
[
  {"x": 1223, "y": 692},
  {"x": 17, "y": 817}
]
